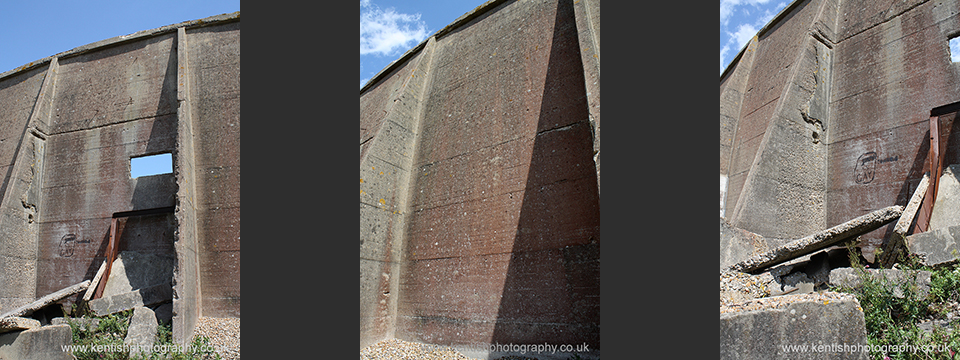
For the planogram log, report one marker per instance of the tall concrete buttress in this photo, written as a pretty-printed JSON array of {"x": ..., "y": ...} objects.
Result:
[
  {"x": 479, "y": 182},
  {"x": 824, "y": 115},
  {"x": 70, "y": 125}
]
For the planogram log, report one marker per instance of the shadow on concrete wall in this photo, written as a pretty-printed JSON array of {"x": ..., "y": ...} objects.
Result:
[
  {"x": 950, "y": 134},
  {"x": 552, "y": 289}
]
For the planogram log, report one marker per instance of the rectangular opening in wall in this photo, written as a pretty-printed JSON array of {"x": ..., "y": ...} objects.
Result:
[
  {"x": 955, "y": 48},
  {"x": 151, "y": 165}
]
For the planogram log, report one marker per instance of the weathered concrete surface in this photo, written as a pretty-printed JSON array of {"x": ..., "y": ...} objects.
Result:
[
  {"x": 15, "y": 323},
  {"x": 899, "y": 279},
  {"x": 769, "y": 328},
  {"x": 820, "y": 240},
  {"x": 946, "y": 209},
  {"x": 873, "y": 71},
  {"x": 128, "y": 300},
  {"x": 777, "y": 163},
  {"x": 133, "y": 270},
  {"x": 895, "y": 246},
  {"x": 142, "y": 331},
  {"x": 40, "y": 343},
  {"x": 479, "y": 193},
  {"x": 47, "y": 300},
  {"x": 737, "y": 245},
  {"x": 937, "y": 246},
  {"x": 69, "y": 125}
]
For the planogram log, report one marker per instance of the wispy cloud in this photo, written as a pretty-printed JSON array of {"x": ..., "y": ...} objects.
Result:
[
  {"x": 955, "y": 49},
  {"x": 386, "y": 32},
  {"x": 727, "y": 7}
]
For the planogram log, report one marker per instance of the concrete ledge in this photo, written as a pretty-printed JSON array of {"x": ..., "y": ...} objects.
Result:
[{"x": 830, "y": 324}]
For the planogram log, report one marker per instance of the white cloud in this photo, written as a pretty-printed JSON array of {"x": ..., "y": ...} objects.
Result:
[
  {"x": 386, "y": 32},
  {"x": 727, "y": 7},
  {"x": 742, "y": 36},
  {"x": 723, "y": 54},
  {"x": 955, "y": 49},
  {"x": 363, "y": 81}
]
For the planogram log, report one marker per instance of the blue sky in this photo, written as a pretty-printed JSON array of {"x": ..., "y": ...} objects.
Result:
[
  {"x": 33, "y": 30},
  {"x": 740, "y": 20},
  {"x": 388, "y": 28}
]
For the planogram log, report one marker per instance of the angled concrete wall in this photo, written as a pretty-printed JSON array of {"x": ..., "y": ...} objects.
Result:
[
  {"x": 824, "y": 115},
  {"x": 479, "y": 193},
  {"x": 69, "y": 125}
]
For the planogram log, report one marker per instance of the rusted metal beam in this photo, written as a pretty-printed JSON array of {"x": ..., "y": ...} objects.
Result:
[
  {"x": 110, "y": 255},
  {"x": 935, "y": 166}
]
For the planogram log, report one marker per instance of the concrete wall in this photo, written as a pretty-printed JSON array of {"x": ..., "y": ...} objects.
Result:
[
  {"x": 824, "y": 115},
  {"x": 69, "y": 125},
  {"x": 484, "y": 224}
]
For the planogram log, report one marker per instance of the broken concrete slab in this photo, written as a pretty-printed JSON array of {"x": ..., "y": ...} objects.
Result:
[
  {"x": 848, "y": 277},
  {"x": 47, "y": 300},
  {"x": 87, "y": 295},
  {"x": 142, "y": 331},
  {"x": 946, "y": 209},
  {"x": 15, "y": 323},
  {"x": 777, "y": 327},
  {"x": 937, "y": 246},
  {"x": 857, "y": 226},
  {"x": 737, "y": 244},
  {"x": 131, "y": 299},
  {"x": 133, "y": 270},
  {"x": 895, "y": 245},
  {"x": 45, "y": 342}
]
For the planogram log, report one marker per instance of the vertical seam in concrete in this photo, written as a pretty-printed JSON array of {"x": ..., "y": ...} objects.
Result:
[
  {"x": 9, "y": 196},
  {"x": 185, "y": 140},
  {"x": 734, "y": 148},
  {"x": 425, "y": 67}
]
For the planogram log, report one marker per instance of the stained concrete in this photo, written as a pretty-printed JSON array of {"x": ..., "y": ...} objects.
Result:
[
  {"x": 479, "y": 182},
  {"x": 70, "y": 123},
  {"x": 824, "y": 115},
  {"x": 41, "y": 343}
]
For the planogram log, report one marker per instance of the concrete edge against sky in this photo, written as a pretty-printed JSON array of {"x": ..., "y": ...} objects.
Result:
[
  {"x": 192, "y": 24},
  {"x": 460, "y": 21},
  {"x": 782, "y": 14}
]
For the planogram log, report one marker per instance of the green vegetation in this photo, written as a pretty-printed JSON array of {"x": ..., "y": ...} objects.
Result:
[
  {"x": 891, "y": 321},
  {"x": 111, "y": 331}
]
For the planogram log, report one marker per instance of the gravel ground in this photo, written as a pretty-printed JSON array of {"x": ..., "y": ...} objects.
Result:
[
  {"x": 394, "y": 349},
  {"x": 778, "y": 302},
  {"x": 737, "y": 287},
  {"x": 224, "y": 334}
]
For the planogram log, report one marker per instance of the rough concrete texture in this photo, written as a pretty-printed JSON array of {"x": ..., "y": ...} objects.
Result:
[
  {"x": 128, "y": 300},
  {"x": 479, "y": 190},
  {"x": 848, "y": 277},
  {"x": 857, "y": 81},
  {"x": 14, "y": 323},
  {"x": 142, "y": 331},
  {"x": 69, "y": 125},
  {"x": 937, "y": 246},
  {"x": 133, "y": 270},
  {"x": 737, "y": 245},
  {"x": 820, "y": 240},
  {"x": 40, "y": 343},
  {"x": 946, "y": 209},
  {"x": 831, "y": 326}
]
